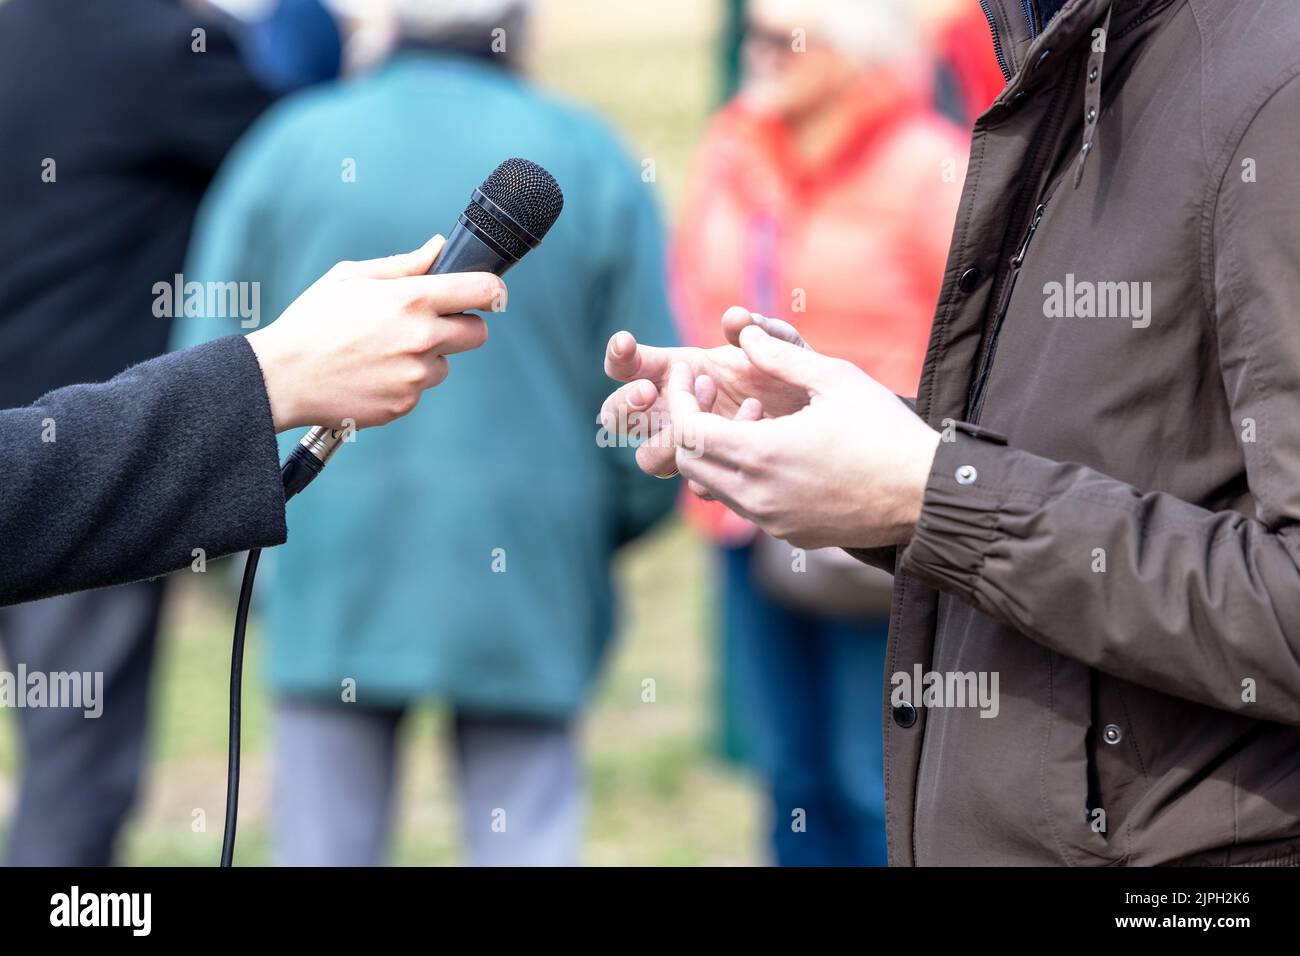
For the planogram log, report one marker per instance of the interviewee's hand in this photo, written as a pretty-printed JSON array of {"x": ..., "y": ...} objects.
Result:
[
  {"x": 848, "y": 469},
  {"x": 727, "y": 379},
  {"x": 367, "y": 338}
]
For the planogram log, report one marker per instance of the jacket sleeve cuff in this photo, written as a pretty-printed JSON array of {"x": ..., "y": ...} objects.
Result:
[
  {"x": 959, "y": 515},
  {"x": 254, "y": 445},
  {"x": 883, "y": 558}
]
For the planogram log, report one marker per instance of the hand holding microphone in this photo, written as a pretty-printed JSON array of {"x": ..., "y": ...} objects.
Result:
[
  {"x": 367, "y": 338},
  {"x": 507, "y": 217}
]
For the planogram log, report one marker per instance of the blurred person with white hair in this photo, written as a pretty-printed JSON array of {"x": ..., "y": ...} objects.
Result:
[
  {"x": 466, "y": 557},
  {"x": 824, "y": 195}
]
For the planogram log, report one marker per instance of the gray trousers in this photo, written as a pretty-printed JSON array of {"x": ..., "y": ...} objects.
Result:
[
  {"x": 519, "y": 784},
  {"x": 79, "y": 775}
]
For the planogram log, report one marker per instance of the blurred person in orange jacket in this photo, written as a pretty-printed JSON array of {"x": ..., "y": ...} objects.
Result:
[{"x": 823, "y": 194}]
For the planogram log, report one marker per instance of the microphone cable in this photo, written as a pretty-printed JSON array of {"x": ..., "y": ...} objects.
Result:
[
  {"x": 236, "y": 682},
  {"x": 299, "y": 470}
]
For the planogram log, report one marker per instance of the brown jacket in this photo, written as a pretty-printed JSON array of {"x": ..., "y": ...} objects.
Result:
[{"x": 1121, "y": 545}]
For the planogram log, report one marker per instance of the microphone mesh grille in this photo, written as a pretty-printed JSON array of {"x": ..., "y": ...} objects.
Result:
[
  {"x": 527, "y": 192},
  {"x": 503, "y": 237}
]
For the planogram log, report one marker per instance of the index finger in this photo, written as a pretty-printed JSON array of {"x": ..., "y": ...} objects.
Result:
[
  {"x": 453, "y": 292},
  {"x": 703, "y": 434}
]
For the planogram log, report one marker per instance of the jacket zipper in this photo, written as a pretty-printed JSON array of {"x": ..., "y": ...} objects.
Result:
[
  {"x": 1004, "y": 303},
  {"x": 997, "y": 41},
  {"x": 1030, "y": 10},
  {"x": 1039, "y": 162}
]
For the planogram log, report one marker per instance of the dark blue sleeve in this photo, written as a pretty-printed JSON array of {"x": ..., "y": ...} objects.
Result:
[{"x": 105, "y": 484}]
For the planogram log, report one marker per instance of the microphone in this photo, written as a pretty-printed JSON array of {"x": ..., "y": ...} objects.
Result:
[{"x": 507, "y": 217}]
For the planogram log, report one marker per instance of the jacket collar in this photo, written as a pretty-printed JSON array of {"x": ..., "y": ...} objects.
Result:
[
  {"x": 1034, "y": 59},
  {"x": 1046, "y": 9},
  {"x": 1019, "y": 43}
]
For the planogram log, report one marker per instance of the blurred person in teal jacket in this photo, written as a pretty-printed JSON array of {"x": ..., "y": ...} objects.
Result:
[{"x": 462, "y": 554}]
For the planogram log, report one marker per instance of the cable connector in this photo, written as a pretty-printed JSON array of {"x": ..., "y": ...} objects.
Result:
[{"x": 309, "y": 457}]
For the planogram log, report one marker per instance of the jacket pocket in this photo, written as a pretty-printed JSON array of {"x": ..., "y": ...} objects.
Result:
[
  {"x": 1080, "y": 823},
  {"x": 1117, "y": 775}
]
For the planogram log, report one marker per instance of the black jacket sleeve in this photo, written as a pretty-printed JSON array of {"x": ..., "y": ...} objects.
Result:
[
  {"x": 105, "y": 484},
  {"x": 193, "y": 89}
]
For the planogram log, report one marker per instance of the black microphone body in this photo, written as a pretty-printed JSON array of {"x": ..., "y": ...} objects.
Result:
[{"x": 466, "y": 251}]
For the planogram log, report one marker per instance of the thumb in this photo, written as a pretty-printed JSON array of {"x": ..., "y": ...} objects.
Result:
[
  {"x": 415, "y": 263},
  {"x": 784, "y": 360},
  {"x": 736, "y": 318}
]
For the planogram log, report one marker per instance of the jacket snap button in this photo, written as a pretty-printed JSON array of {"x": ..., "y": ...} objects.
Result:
[
  {"x": 1093, "y": 74},
  {"x": 904, "y": 714},
  {"x": 966, "y": 475},
  {"x": 970, "y": 279},
  {"x": 1112, "y": 734},
  {"x": 1092, "y": 113}
]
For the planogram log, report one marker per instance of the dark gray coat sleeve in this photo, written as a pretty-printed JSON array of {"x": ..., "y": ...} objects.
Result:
[{"x": 105, "y": 484}]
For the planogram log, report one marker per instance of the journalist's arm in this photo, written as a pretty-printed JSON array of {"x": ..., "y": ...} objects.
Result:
[{"x": 175, "y": 459}]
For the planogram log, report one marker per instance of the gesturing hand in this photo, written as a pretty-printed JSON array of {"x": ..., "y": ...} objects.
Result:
[
  {"x": 727, "y": 379},
  {"x": 848, "y": 468}
]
